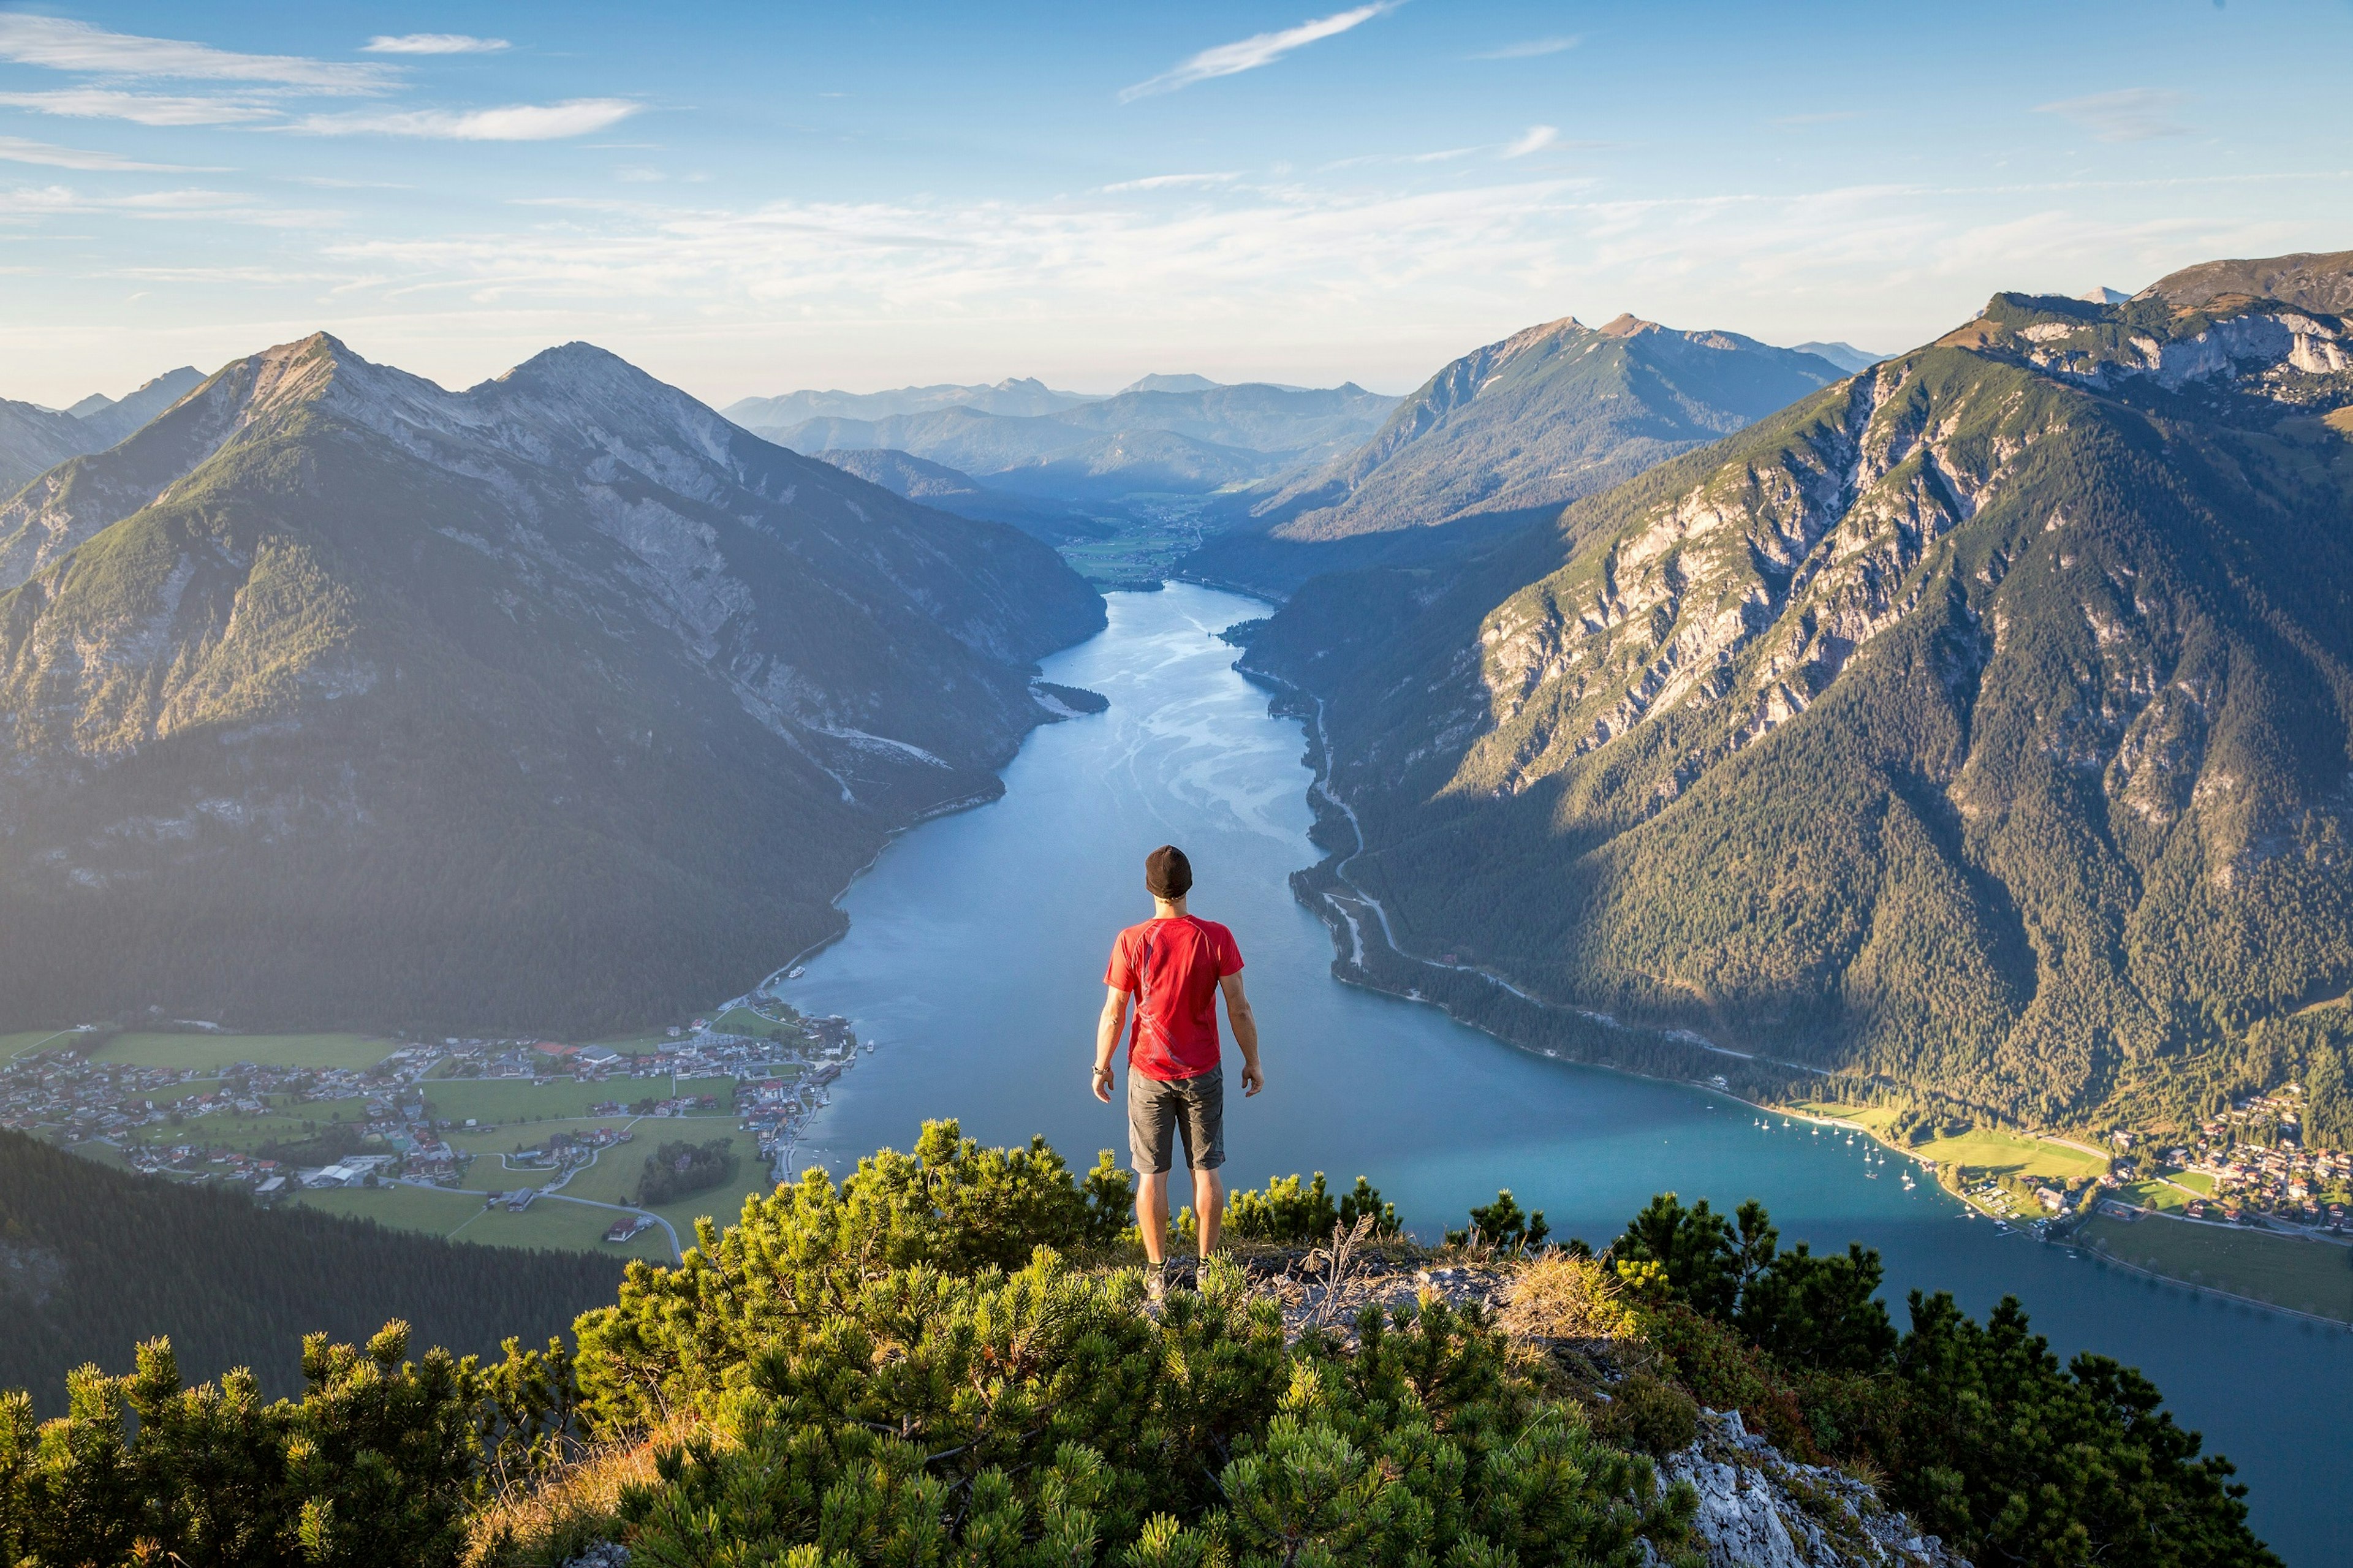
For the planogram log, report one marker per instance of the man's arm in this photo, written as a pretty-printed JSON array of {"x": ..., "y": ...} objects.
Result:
[
  {"x": 1245, "y": 1022},
  {"x": 1107, "y": 1028}
]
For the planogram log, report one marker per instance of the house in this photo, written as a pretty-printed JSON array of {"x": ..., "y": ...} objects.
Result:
[{"x": 626, "y": 1227}]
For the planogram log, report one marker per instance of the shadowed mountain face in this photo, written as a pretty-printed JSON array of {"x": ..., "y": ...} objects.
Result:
[
  {"x": 937, "y": 485},
  {"x": 1984, "y": 723},
  {"x": 333, "y": 696},
  {"x": 1504, "y": 435},
  {"x": 108, "y": 420},
  {"x": 35, "y": 439}
]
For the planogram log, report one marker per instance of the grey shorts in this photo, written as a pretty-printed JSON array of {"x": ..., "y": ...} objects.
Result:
[{"x": 1191, "y": 1107}]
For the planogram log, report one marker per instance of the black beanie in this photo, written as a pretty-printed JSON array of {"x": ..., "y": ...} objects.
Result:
[{"x": 1166, "y": 873}]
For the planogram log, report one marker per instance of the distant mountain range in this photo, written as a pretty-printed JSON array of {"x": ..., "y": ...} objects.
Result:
[
  {"x": 1015, "y": 396},
  {"x": 1981, "y": 724},
  {"x": 1504, "y": 435},
  {"x": 1846, "y": 356},
  {"x": 35, "y": 439},
  {"x": 331, "y": 696},
  {"x": 1184, "y": 435}
]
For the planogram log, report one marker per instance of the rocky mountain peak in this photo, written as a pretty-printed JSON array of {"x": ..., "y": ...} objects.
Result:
[{"x": 1628, "y": 325}]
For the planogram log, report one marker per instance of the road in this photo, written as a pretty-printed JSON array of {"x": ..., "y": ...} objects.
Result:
[{"x": 1357, "y": 895}]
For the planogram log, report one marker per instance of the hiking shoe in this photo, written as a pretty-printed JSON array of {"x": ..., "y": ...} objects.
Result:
[{"x": 1155, "y": 1282}]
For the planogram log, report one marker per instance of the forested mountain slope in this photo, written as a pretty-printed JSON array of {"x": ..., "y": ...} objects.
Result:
[
  {"x": 332, "y": 696},
  {"x": 92, "y": 1261},
  {"x": 1984, "y": 721},
  {"x": 1504, "y": 435}
]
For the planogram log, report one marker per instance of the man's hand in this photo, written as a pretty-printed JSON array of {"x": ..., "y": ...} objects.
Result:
[
  {"x": 1103, "y": 1085},
  {"x": 1252, "y": 1079}
]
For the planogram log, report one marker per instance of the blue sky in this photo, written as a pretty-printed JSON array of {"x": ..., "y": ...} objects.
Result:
[{"x": 749, "y": 198}]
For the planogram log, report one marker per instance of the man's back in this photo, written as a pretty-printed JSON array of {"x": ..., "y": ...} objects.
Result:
[{"x": 1172, "y": 966}]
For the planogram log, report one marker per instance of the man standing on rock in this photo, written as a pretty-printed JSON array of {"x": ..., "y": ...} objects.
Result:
[{"x": 1174, "y": 966}]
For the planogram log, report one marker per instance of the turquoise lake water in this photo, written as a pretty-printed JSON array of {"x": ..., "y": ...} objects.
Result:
[{"x": 975, "y": 961}]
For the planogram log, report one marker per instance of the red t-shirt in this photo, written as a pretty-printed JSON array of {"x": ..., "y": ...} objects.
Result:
[{"x": 1172, "y": 968}]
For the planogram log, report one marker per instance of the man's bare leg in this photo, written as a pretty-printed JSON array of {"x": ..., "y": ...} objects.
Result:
[
  {"x": 1209, "y": 1208},
  {"x": 1152, "y": 1213}
]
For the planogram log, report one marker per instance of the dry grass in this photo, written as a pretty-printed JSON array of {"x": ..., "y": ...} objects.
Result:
[
  {"x": 1559, "y": 1296},
  {"x": 551, "y": 1521}
]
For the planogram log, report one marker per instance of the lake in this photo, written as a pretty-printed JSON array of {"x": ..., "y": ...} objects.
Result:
[{"x": 974, "y": 960}]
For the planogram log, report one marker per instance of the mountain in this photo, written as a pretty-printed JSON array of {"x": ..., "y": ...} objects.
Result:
[
  {"x": 1846, "y": 356},
  {"x": 1982, "y": 724},
  {"x": 1013, "y": 395},
  {"x": 108, "y": 420},
  {"x": 33, "y": 439},
  {"x": 554, "y": 704},
  {"x": 1503, "y": 435},
  {"x": 1170, "y": 383},
  {"x": 937, "y": 485},
  {"x": 2309, "y": 280},
  {"x": 2104, "y": 296},
  {"x": 1139, "y": 441},
  {"x": 95, "y": 1261}
]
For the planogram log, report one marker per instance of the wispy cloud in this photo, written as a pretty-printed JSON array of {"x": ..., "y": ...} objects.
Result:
[
  {"x": 1163, "y": 182},
  {"x": 1821, "y": 116},
  {"x": 2130, "y": 114},
  {"x": 17, "y": 150},
  {"x": 1259, "y": 49},
  {"x": 433, "y": 44},
  {"x": 61, "y": 45},
  {"x": 1536, "y": 138},
  {"x": 1530, "y": 48},
  {"x": 510, "y": 122},
  {"x": 140, "y": 108}
]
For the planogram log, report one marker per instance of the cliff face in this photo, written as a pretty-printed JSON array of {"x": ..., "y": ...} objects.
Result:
[
  {"x": 334, "y": 696},
  {"x": 1983, "y": 721}
]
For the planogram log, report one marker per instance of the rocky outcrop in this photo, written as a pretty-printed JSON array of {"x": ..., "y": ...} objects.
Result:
[{"x": 1758, "y": 1509}]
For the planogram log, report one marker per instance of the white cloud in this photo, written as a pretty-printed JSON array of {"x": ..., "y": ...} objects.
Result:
[
  {"x": 511, "y": 122},
  {"x": 2131, "y": 114},
  {"x": 140, "y": 108},
  {"x": 1259, "y": 49},
  {"x": 1163, "y": 182},
  {"x": 1536, "y": 138},
  {"x": 62, "y": 45},
  {"x": 433, "y": 44},
  {"x": 17, "y": 150},
  {"x": 1530, "y": 49}
]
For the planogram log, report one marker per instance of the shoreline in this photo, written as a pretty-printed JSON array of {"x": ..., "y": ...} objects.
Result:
[{"x": 1348, "y": 968}]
